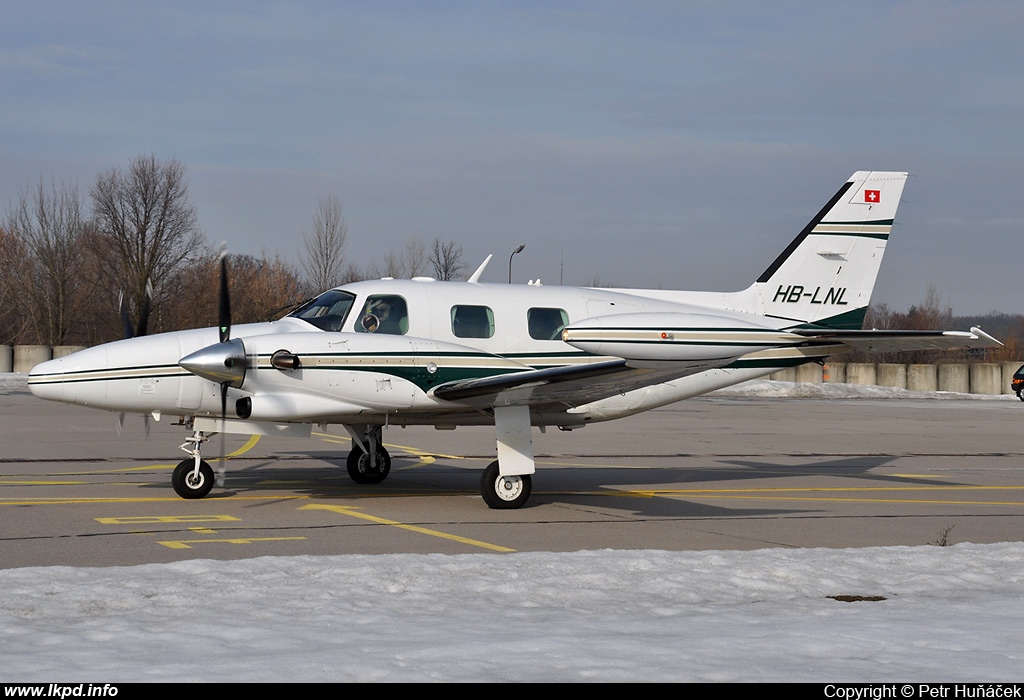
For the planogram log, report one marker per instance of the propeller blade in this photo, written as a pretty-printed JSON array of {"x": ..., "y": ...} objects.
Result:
[
  {"x": 126, "y": 323},
  {"x": 147, "y": 301},
  {"x": 120, "y": 423},
  {"x": 222, "y": 463},
  {"x": 224, "y": 310}
]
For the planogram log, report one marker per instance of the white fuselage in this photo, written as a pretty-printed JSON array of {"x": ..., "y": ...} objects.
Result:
[{"x": 355, "y": 377}]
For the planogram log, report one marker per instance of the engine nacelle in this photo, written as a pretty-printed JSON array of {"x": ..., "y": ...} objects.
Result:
[{"x": 673, "y": 337}]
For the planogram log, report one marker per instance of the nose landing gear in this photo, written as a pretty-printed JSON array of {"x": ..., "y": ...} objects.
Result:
[{"x": 193, "y": 477}]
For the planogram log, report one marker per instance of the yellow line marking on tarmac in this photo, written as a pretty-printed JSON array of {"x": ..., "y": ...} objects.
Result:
[
  {"x": 134, "y": 469},
  {"x": 153, "y": 499},
  {"x": 149, "y": 519},
  {"x": 352, "y": 512},
  {"x": 4, "y": 482},
  {"x": 187, "y": 544},
  {"x": 426, "y": 456},
  {"x": 805, "y": 489},
  {"x": 202, "y": 530},
  {"x": 789, "y": 494},
  {"x": 249, "y": 444}
]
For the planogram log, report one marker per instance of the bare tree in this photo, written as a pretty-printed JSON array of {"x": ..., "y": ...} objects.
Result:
[
  {"x": 50, "y": 225},
  {"x": 12, "y": 299},
  {"x": 261, "y": 289},
  {"x": 411, "y": 262},
  {"x": 151, "y": 226},
  {"x": 446, "y": 259},
  {"x": 324, "y": 261},
  {"x": 414, "y": 259}
]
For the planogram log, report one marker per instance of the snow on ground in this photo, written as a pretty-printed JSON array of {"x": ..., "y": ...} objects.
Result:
[{"x": 947, "y": 614}]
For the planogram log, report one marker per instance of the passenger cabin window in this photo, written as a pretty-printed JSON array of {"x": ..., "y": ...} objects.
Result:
[
  {"x": 472, "y": 322},
  {"x": 546, "y": 324},
  {"x": 327, "y": 311},
  {"x": 384, "y": 313}
]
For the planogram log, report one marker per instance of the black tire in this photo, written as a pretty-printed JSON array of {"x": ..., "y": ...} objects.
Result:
[
  {"x": 188, "y": 487},
  {"x": 362, "y": 472},
  {"x": 504, "y": 492}
]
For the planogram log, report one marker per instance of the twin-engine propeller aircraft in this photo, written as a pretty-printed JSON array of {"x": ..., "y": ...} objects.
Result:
[{"x": 423, "y": 352}]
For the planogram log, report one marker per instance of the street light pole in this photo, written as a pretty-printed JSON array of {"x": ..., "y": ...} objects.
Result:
[{"x": 517, "y": 250}]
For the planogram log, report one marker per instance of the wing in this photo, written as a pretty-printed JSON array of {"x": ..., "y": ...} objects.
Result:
[
  {"x": 575, "y": 385},
  {"x": 567, "y": 386},
  {"x": 888, "y": 341}
]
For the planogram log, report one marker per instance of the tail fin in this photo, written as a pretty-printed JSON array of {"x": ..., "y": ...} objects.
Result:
[{"x": 825, "y": 276}]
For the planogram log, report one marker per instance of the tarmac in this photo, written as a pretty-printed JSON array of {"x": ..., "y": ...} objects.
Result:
[{"x": 713, "y": 473}]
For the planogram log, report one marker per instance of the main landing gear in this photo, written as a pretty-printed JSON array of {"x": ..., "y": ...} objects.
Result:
[
  {"x": 504, "y": 492},
  {"x": 368, "y": 462}
]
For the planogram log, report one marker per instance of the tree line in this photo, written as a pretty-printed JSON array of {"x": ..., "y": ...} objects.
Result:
[
  {"x": 69, "y": 261},
  {"x": 933, "y": 314}
]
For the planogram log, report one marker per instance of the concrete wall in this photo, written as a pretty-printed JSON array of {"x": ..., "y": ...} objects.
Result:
[
  {"x": 978, "y": 378},
  {"x": 861, "y": 373},
  {"x": 891, "y": 375},
  {"x": 28, "y": 356},
  {"x": 1008, "y": 369},
  {"x": 922, "y": 378}
]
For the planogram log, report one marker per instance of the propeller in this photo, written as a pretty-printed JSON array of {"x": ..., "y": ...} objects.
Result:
[
  {"x": 224, "y": 327},
  {"x": 224, "y": 362}
]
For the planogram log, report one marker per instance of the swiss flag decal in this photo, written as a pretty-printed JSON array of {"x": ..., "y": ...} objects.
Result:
[{"x": 872, "y": 196}]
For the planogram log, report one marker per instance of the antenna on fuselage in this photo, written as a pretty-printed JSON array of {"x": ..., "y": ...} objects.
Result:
[{"x": 475, "y": 277}]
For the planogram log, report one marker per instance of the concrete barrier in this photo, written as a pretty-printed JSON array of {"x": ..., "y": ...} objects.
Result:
[
  {"x": 65, "y": 350},
  {"x": 860, "y": 373},
  {"x": 28, "y": 356},
  {"x": 986, "y": 378},
  {"x": 1008, "y": 369},
  {"x": 922, "y": 378},
  {"x": 836, "y": 372},
  {"x": 6, "y": 358},
  {"x": 954, "y": 378},
  {"x": 809, "y": 373},
  {"x": 891, "y": 375},
  {"x": 784, "y": 375}
]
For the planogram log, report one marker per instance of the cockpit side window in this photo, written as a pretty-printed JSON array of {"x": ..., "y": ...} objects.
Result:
[
  {"x": 472, "y": 321},
  {"x": 546, "y": 324},
  {"x": 327, "y": 311},
  {"x": 384, "y": 313}
]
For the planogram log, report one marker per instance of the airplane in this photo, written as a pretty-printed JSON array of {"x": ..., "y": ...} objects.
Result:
[{"x": 393, "y": 352}]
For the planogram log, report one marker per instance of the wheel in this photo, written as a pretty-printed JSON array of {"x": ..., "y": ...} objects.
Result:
[
  {"x": 189, "y": 485},
  {"x": 504, "y": 492},
  {"x": 362, "y": 472}
]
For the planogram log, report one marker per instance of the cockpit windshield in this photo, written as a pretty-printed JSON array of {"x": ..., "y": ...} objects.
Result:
[{"x": 327, "y": 311}]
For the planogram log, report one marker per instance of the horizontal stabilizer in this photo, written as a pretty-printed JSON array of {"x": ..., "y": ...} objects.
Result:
[{"x": 890, "y": 341}]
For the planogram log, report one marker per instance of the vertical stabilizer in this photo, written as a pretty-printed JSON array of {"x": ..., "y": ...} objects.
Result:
[{"x": 825, "y": 276}]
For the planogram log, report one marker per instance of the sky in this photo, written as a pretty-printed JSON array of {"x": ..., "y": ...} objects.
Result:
[
  {"x": 639, "y": 144},
  {"x": 948, "y": 614}
]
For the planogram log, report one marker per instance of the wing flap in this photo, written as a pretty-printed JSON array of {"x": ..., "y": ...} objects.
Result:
[{"x": 567, "y": 386}]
